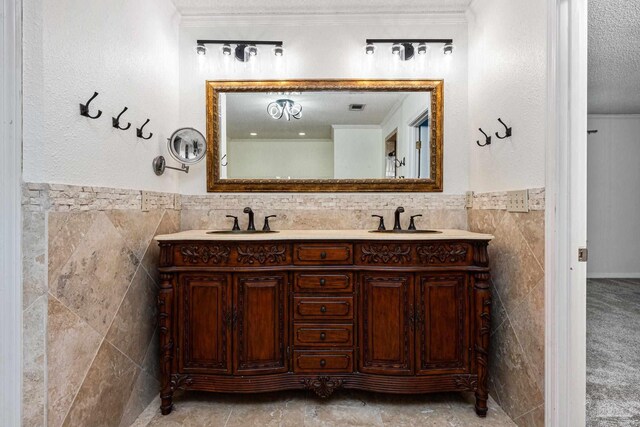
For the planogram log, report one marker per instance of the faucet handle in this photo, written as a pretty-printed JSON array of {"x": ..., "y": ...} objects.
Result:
[
  {"x": 412, "y": 224},
  {"x": 381, "y": 226},
  {"x": 236, "y": 226},
  {"x": 265, "y": 227}
]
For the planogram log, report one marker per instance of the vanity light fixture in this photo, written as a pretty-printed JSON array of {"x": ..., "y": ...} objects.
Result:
[
  {"x": 404, "y": 48},
  {"x": 284, "y": 108},
  {"x": 244, "y": 49}
]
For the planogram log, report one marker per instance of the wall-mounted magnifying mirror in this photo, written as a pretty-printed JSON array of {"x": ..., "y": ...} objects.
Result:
[{"x": 187, "y": 146}]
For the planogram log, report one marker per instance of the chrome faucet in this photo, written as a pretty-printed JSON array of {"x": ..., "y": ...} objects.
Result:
[
  {"x": 252, "y": 226},
  {"x": 396, "y": 224}
]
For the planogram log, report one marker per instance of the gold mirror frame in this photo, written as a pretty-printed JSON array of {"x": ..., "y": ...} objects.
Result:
[{"x": 217, "y": 185}]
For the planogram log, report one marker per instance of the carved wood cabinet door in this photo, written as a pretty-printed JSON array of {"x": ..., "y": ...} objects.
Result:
[
  {"x": 442, "y": 319},
  {"x": 205, "y": 313},
  {"x": 260, "y": 323},
  {"x": 386, "y": 323}
]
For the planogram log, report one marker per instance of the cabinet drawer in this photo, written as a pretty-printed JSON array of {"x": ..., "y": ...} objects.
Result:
[
  {"x": 319, "y": 335},
  {"x": 338, "y": 253},
  {"x": 318, "y": 361},
  {"x": 323, "y": 308},
  {"x": 330, "y": 282}
]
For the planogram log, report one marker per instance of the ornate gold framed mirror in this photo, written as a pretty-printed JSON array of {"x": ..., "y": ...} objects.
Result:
[{"x": 325, "y": 136}]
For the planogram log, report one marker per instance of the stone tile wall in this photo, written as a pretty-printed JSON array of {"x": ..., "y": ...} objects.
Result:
[
  {"x": 339, "y": 211},
  {"x": 90, "y": 281},
  {"x": 89, "y": 303},
  {"x": 517, "y": 261}
]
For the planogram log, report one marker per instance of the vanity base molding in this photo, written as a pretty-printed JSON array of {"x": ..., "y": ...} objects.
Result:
[{"x": 402, "y": 317}]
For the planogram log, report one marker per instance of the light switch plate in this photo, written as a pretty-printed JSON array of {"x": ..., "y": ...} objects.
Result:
[
  {"x": 468, "y": 200},
  {"x": 518, "y": 201},
  {"x": 146, "y": 201}
]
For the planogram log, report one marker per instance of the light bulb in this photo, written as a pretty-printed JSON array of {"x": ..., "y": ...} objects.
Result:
[
  {"x": 226, "y": 50},
  {"x": 396, "y": 48},
  {"x": 447, "y": 49},
  {"x": 251, "y": 50},
  {"x": 422, "y": 48},
  {"x": 370, "y": 49},
  {"x": 278, "y": 51},
  {"x": 201, "y": 49}
]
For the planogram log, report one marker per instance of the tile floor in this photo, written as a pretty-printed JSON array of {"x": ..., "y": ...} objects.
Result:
[
  {"x": 345, "y": 408},
  {"x": 613, "y": 360}
]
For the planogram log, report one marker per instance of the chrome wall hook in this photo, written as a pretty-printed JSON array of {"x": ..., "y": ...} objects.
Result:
[
  {"x": 508, "y": 130},
  {"x": 139, "y": 131},
  {"x": 116, "y": 121},
  {"x": 84, "y": 108},
  {"x": 487, "y": 139}
]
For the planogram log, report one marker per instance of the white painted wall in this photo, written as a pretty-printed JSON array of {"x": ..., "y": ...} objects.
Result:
[
  {"x": 270, "y": 158},
  {"x": 358, "y": 152},
  {"x": 329, "y": 47},
  {"x": 125, "y": 50},
  {"x": 507, "y": 79},
  {"x": 613, "y": 203}
]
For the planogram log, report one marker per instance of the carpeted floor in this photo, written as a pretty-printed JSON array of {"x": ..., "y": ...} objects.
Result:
[{"x": 613, "y": 352}]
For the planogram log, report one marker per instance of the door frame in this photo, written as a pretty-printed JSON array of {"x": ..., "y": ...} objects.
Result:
[
  {"x": 565, "y": 216},
  {"x": 10, "y": 214}
]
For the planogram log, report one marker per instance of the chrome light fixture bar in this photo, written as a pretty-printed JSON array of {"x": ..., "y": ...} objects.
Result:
[
  {"x": 244, "y": 49},
  {"x": 404, "y": 48}
]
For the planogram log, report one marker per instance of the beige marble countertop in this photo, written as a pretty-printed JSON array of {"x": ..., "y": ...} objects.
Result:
[{"x": 443, "y": 234}]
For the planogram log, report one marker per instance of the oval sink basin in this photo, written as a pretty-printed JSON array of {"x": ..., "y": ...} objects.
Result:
[
  {"x": 241, "y": 232},
  {"x": 406, "y": 231}
]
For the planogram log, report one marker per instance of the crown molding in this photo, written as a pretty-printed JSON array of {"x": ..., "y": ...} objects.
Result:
[{"x": 196, "y": 20}]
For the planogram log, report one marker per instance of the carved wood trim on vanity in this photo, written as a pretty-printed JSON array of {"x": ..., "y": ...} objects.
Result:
[{"x": 431, "y": 300}]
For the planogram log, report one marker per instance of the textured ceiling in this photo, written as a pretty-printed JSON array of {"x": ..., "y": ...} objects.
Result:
[
  {"x": 223, "y": 7},
  {"x": 614, "y": 56}
]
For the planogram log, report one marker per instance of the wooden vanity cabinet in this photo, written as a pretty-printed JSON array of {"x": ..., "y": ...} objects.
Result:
[{"x": 386, "y": 316}]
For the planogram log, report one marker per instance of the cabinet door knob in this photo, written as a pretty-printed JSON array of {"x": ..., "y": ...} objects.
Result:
[
  {"x": 323, "y": 309},
  {"x": 322, "y": 282},
  {"x": 323, "y": 336},
  {"x": 323, "y": 362},
  {"x": 323, "y": 255}
]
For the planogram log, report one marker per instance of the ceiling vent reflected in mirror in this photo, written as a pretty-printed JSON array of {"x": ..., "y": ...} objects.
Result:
[{"x": 356, "y": 107}]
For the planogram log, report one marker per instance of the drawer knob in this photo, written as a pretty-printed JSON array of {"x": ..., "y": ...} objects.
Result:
[
  {"x": 323, "y": 336},
  {"x": 323, "y": 362},
  {"x": 322, "y": 282},
  {"x": 323, "y": 309},
  {"x": 323, "y": 255}
]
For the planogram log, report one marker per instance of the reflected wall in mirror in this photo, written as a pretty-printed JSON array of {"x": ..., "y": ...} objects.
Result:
[{"x": 364, "y": 135}]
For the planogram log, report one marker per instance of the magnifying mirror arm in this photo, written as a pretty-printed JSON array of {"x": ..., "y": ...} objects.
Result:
[{"x": 182, "y": 168}]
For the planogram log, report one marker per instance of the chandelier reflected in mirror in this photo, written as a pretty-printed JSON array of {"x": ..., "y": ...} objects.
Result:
[{"x": 284, "y": 108}]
